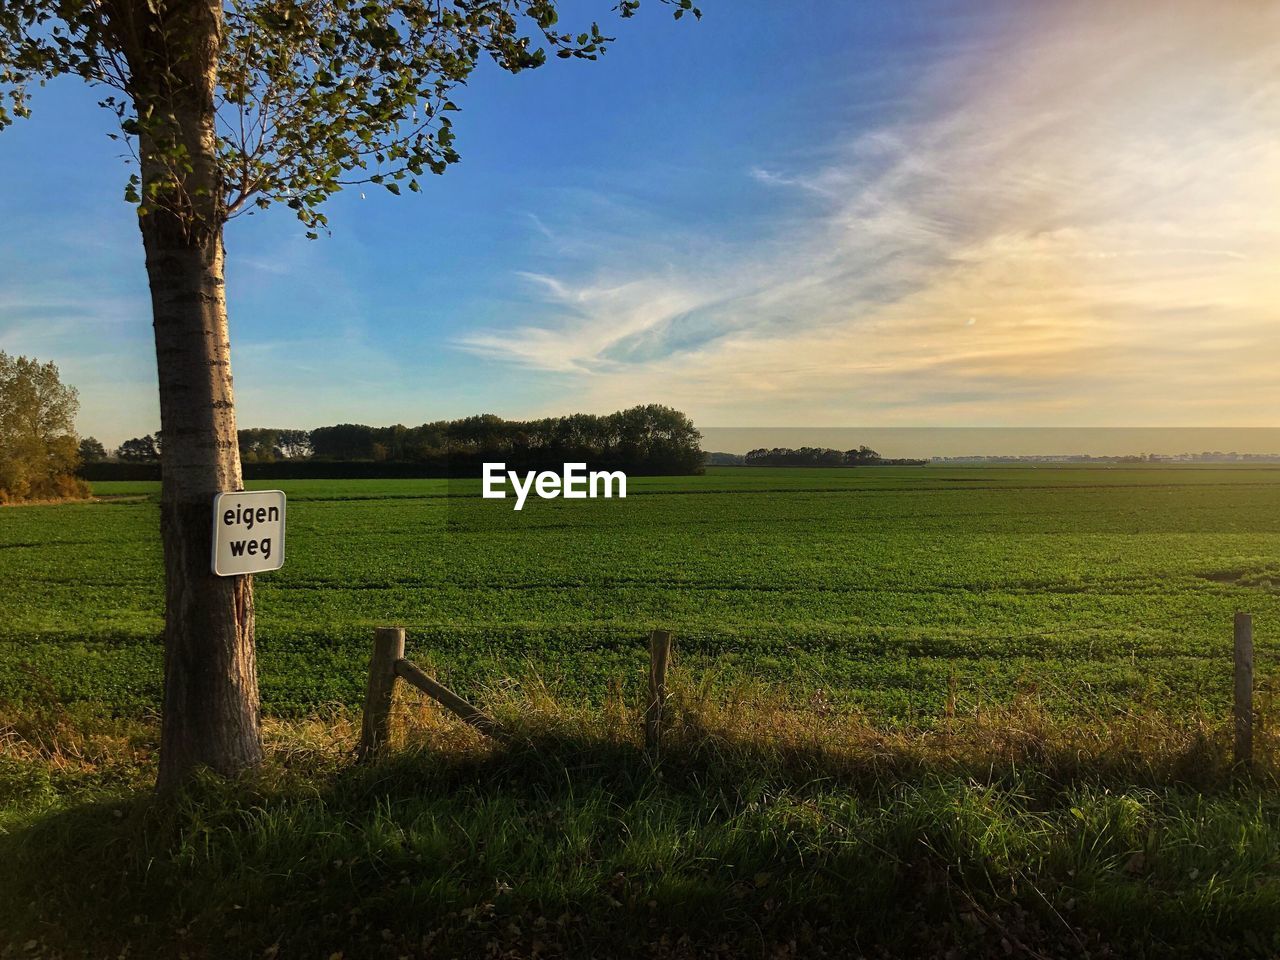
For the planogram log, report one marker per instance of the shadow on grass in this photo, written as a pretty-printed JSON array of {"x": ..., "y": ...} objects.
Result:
[{"x": 761, "y": 831}]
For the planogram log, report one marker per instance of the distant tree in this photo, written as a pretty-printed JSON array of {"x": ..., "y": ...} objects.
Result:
[
  {"x": 821, "y": 457},
  {"x": 140, "y": 450},
  {"x": 38, "y": 448},
  {"x": 294, "y": 444},
  {"x": 344, "y": 441},
  {"x": 773, "y": 457},
  {"x": 268, "y": 444},
  {"x": 427, "y": 442},
  {"x": 483, "y": 431},
  {"x": 662, "y": 438},
  {"x": 391, "y": 442},
  {"x": 92, "y": 450},
  {"x": 802, "y": 457},
  {"x": 259, "y": 445},
  {"x": 715, "y": 458},
  {"x": 863, "y": 454}
]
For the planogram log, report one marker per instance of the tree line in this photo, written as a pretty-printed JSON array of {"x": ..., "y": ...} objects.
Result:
[
  {"x": 650, "y": 438},
  {"x": 821, "y": 457}
]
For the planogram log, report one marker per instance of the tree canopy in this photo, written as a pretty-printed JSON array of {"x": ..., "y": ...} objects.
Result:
[
  {"x": 91, "y": 450},
  {"x": 140, "y": 450},
  {"x": 312, "y": 95}
]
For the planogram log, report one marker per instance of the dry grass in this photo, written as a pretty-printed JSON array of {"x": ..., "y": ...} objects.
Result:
[
  {"x": 766, "y": 827},
  {"x": 751, "y": 724}
]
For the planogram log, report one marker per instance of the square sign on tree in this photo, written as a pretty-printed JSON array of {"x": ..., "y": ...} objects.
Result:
[{"x": 248, "y": 532}]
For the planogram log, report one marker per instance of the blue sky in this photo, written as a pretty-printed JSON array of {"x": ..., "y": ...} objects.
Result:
[{"x": 810, "y": 213}]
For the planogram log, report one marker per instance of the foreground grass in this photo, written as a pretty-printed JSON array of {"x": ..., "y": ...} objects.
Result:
[{"x": 763, "y": 830}]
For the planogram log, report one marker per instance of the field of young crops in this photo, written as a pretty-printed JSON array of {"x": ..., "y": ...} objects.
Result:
[{"x": 1094, "y": 588}]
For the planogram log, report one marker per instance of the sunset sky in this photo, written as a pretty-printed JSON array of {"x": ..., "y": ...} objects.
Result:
[{"x": 802, "y": 214}]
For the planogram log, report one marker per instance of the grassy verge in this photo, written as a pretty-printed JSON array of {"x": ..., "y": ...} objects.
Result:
[{"x": 764, "y": 830}]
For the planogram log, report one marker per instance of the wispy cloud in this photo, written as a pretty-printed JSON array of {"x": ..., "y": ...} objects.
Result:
[
  {"x": 539, "y": 225},
  {"x": 1078, "y": 222}
]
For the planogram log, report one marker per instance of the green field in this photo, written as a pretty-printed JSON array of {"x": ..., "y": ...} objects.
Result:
[{"x": 1098, "y": 588}]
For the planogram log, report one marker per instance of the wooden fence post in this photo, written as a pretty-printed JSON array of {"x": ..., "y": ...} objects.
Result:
[
  {"x": 659, "y": 657},
  {"x": 375, "y": 727},
  {"x": 1244, "y": 690},
  {"x": 445, "y": 697}
]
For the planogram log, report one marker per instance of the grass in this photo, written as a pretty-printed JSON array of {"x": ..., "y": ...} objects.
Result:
[
  {"x": 1106, "y": 587},
  {"x": 764, "y": 830},
  {"x": 923, "y": 713}
]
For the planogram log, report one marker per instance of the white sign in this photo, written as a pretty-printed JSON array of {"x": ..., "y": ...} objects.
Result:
[{"x": 248, "y": 532}]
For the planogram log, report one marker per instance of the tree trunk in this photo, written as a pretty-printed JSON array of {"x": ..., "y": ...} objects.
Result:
[{"x": 211, "y": 710}]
